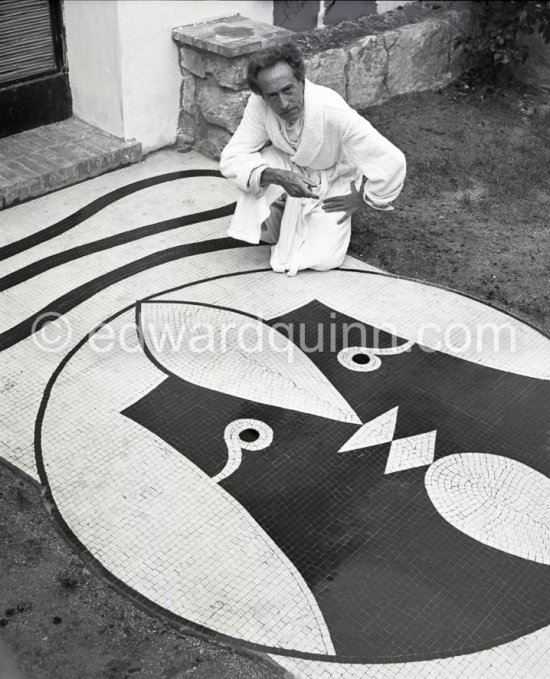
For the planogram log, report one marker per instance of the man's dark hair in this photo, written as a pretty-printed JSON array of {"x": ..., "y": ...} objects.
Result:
[{"x": 270, "y": 56}]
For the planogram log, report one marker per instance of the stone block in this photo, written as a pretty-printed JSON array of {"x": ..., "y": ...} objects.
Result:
[
  {"x": 93, "y": 146},
  {"x": 220, "y": 106},
  {"x": 231, "y": 36},
  {"x": 213, "y": 142},
  {"x": 7, "y": 175},
  {"x": 33, "y": 165},
  {"x": 187, "y": 129},
  {"x": 228, "y": 72},
  {"x": 69, "y": 152},
  {"x": 18, "y": 193},
  {"x": 132, "y": 153},
  {"x": 188, "y": 93},
  {"x": 368, "y": 63},
  {"x": 35, "y": 140},
  {"x": 43, "y": 159},
  {"x": 16, "y": 148},
  {"x": 59, "y": 179},
  {"x": 329, "y": 69},
  {"x": 193, "y": 61},
  {"x": 418, "y": 57},
  {"x": 16, "y": 167}
]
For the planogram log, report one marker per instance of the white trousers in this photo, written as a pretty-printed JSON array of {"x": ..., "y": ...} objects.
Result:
[{"x": 304, "y": 236}]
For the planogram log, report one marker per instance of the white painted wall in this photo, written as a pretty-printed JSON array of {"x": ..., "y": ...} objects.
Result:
[
  {"x": 123, "y": 64},
  {"x": 200, "y": 10},
  {"x": 93, "y": 55},
  {"x": 151, "y": 77}
]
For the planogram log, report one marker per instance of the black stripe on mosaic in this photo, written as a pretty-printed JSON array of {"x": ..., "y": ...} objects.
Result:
[
  {"x": 72, "y": 299},
  {"x": 95, "y": 206},
  {"x": 59, "y": 258}
]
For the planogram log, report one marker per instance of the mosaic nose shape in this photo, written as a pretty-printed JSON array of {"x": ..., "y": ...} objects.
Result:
[
  {"x": 405, "y": 453},
  {"x": 377, "y": 431}
]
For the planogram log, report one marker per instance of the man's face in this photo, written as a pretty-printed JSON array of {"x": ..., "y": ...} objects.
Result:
[{"x": 282, "y": 91}]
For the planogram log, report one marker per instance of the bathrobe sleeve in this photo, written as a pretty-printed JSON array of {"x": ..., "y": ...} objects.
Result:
[
  {"x": 242, "y": 154},
  {"x": 379, "y": 161}
]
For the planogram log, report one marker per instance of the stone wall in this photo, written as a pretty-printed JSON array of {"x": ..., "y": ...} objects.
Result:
[{"x": 366, "y": 71}]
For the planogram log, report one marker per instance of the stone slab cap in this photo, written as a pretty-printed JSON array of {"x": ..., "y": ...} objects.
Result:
[{"x": 231, "y": 36}]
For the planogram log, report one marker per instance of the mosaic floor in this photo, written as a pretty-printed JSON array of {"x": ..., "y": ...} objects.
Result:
[{"x": 345, "y": 470}]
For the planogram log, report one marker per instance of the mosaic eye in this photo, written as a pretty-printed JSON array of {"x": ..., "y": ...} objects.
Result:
[
  {"x": 249, "y": 435},
  {"x": 239, "y": 435},
  {"x": 366, "y": 359},
  {"x": 359, "y": 359}
]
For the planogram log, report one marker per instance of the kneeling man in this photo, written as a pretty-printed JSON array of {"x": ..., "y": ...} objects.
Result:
[{"x": 304, "y": 162}]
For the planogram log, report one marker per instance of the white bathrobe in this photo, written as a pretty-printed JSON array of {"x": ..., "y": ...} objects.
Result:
[{"x": 336, "y": 146}]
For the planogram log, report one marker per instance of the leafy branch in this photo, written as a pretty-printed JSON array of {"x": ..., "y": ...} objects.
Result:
[{"x": 502, "y": 27}]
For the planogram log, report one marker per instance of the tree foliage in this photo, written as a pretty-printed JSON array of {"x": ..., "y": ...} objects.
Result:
[{"x": 503, "y": 25}]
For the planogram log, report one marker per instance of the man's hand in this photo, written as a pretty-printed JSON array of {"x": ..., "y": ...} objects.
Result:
[
  {"x": 295, "y": 185},
  {"x": 350, "y": 203}
]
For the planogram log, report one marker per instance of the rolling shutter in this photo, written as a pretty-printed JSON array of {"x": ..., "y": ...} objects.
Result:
[{"x": 26, "y": 40}]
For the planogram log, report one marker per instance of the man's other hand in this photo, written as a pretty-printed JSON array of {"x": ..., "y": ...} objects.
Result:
[
  {"x": 349, "y": 203},
  {"x": 294, "y": 184}
]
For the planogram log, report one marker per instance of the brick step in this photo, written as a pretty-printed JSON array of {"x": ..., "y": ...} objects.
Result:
[{"x": 47, "y": 158}]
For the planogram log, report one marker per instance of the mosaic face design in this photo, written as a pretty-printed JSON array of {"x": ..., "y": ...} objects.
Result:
[{"x": 375, "y": 500}]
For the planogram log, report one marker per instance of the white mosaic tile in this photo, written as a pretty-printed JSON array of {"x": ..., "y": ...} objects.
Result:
[
  {"x": 24, "y": 220},
  {"x": 235, "y": 443},
  {"x": 236, "y": 354},
  {"x": 349, "y": 355},
  {"x": 169, "y": 200},
  {"x": 498, "y": 501},
  {"x": 429, "y": 316},
  {"x": 412, "y": 451},
  {"x": 115, "y": 483},
  {"x": 27, "y": 366},
  {"x": 377, "y": 431},
  {"x": 29, "y": 297},
  {"x": 525, "y": 658}
]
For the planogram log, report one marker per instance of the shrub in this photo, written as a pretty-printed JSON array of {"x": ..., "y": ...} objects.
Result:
[{"x": 503, "y": 24}]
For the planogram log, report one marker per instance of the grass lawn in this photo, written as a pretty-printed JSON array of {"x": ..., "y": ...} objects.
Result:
[{"x": 475, "y": 211}]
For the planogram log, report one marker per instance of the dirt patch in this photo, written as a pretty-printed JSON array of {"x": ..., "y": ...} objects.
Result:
[
  {"x": 473, "y": 215},
  {"x": 59, "y": 619}
]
